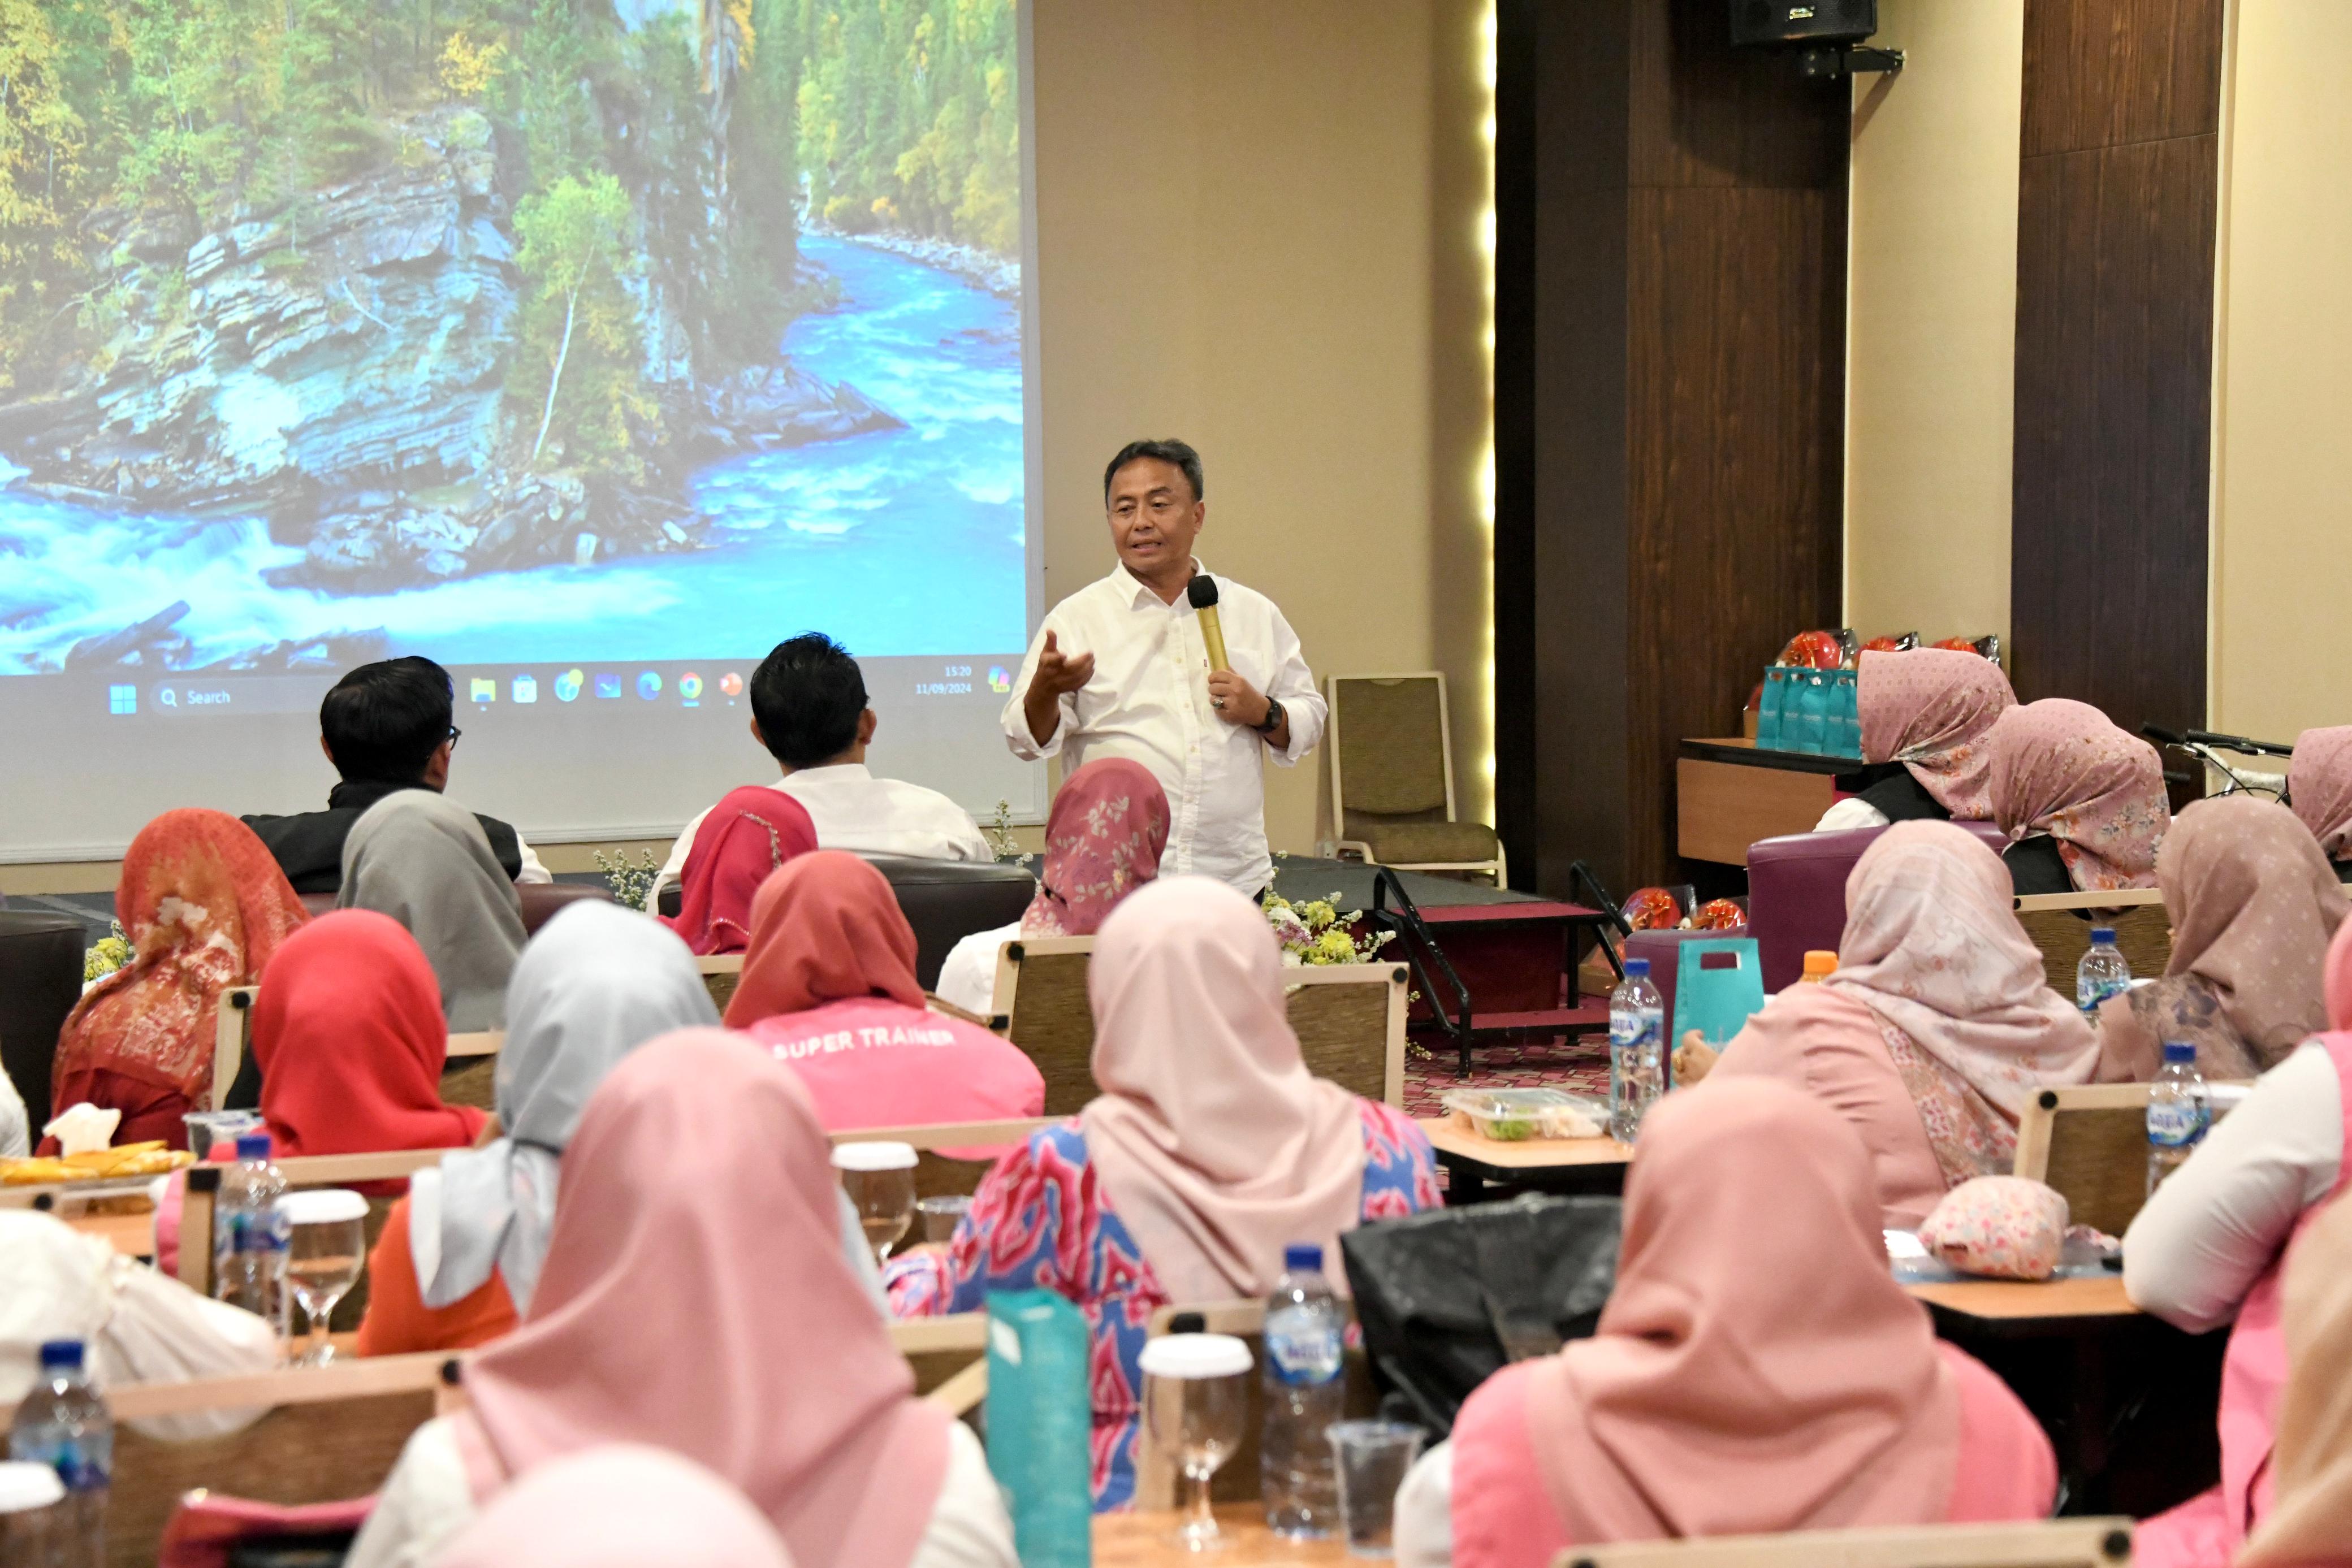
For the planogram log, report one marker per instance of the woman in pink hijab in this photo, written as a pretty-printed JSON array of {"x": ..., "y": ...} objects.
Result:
[
  {"x": 1757, "y": 1369},
  {"x": 2319, "y": 779},
  {"x": 2253, "y": 904},
  {"x": 1211, "y": 1150},
  {"x": 695, "y": 1297},
  {"x": 2215, "y": 1245},
  {"x": 1936, "y": 1026},
  {"x": 1103, "y": 840},
  {"x": 2083, "y": 802},
  {"x": 751, "y": 833},
  {"x": 622, "y": 1506},
  {"x": 1924, "y": 715}
]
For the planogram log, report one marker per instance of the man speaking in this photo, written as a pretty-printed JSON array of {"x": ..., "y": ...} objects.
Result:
[{"x": 1128, "y": 667}]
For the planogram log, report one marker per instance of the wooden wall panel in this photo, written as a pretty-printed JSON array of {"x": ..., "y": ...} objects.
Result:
[
  {"x": 1678, "y": 501},
  {"x": 2117, "y": 215}
]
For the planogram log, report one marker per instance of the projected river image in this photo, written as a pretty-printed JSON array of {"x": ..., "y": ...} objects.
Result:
[{"x": 899, "y": 541}]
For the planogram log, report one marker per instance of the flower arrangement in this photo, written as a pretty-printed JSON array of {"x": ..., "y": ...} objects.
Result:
[
  {"x": 631, "y": 884},
  {"x": 110, "y": 953},
  {"x": 999, "y": 833},
  {"x": 1316, "y": 931}
]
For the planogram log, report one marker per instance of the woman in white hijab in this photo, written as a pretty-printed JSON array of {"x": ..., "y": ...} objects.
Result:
[
  {"x": 136, "y": 1325},
  {"x": 423, "y": 859},
  {"x": 461, "y": 1254}
]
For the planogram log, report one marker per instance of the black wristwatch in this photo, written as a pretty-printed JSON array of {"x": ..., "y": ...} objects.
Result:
[{"x": 1273, "y": 720}]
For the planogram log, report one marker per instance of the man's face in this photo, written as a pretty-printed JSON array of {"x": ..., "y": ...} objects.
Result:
[{"x": 1154, "y": 518}]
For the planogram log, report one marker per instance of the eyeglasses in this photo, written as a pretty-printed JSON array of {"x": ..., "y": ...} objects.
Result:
[{"x": 455, "y": 733}]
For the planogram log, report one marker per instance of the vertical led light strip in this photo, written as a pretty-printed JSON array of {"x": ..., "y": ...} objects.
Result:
[{"x": 1483, "y": 481}]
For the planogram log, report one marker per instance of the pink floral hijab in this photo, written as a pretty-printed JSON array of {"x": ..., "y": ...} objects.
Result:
[
  {"x": 1930, "y": 709},
  {"x": 1103, "y": 839},
  {"x": 2062, "y": 768},
  {"x": 2320, "y": 779}
]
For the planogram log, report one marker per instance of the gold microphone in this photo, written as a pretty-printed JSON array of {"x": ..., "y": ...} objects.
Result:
[{"x": 1202, "y": 593}]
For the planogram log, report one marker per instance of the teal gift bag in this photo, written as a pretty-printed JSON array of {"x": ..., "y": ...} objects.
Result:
[
  {"x": 1718, "y": 983},
  {"x": 1771, "y": 710},
  {"x": 1040, "y": 1415}
]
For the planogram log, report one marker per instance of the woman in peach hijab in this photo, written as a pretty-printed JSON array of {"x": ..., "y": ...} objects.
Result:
[
  {"x": 2083, "y": 802},
  {"x": 1756, "y": 1370},
  {"x": 1210, "y": 1150},
  {"x": 695, "y": 1297},
  {"x": 2320, "y": 780},
  {"x": 1925, "y": 713},
  {"x": 2252, "y": 904},
  {"x": 205, "y": 907},
  {"x": 1936, "y": 1026},
  {"x": 2214, "y": 1243}
]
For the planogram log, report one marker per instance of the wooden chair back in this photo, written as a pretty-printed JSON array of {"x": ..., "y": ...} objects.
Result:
[
  {"x": 466, "y": 1075},
  {"x": 330, "y": 1433},
  {"x": 202, "y": 1189},
  {"x": 2090, "y": 1142},
  {"x": 333, "y": 1432},
  {"x": 936, "y": 1173},
  {"x": 1237, "y": 1479},
  {"x": 722, "y": 973},
  {"x": 2094, "y": 1543},
  {"x": 2060, "y": 925},
  {"x": 1349, "y": 1020}
]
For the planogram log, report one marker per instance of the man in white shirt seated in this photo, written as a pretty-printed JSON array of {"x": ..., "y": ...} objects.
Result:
[
  {"x": 808, "y": 708},
  {"x": 1121, "y": 668}
]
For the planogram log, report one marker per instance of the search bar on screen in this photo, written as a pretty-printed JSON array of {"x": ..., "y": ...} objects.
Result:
[{"x": 239, "y": 694}]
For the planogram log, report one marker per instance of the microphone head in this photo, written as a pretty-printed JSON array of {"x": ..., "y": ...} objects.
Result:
[{"x": 1202, "y": 591}]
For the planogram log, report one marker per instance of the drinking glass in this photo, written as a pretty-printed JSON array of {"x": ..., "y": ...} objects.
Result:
[
  {"x": 1196, "y": 1408},
  {"x": 326, "y": 1247},
  {"x": 879, "y": 1178},
  {"x": 941, "y": 1216},
  {"x": 1372, "y": 1458}
]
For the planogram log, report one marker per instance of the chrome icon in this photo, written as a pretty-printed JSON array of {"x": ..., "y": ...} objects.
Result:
[
  {"x": 690, "y": 688},
  {"x": 567, "y": 684},
  {"x": 648, "y": 685}
]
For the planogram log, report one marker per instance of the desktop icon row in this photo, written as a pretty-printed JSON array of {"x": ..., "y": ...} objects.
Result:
[{"x": 570, "y": 683}]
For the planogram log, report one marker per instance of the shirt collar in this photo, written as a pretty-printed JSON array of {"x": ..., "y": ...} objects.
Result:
[
  {"x": 1138, "y": 593},
  {"x": 833, "y": 770}
]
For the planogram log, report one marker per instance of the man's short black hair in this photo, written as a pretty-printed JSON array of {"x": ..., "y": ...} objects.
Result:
[
  {"x": 382, "y": 722},
  {"x": 808, "y": 694},
  {"x": 1175, "y": 452}
]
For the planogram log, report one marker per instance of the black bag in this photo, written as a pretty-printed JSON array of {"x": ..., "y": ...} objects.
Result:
[{"x": 1446, "y": 1297}]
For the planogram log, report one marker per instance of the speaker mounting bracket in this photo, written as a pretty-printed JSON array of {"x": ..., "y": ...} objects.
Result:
[{"x": 1829, "y": 60}]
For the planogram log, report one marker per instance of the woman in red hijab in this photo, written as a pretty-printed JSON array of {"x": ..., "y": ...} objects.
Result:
[
  {"x": 746, "y": 837},
  {"x": 349, "y": 1036},
  {"x": 205, "y": 907},
  {"x": 829, "y": 988},
  {"x": 1757, "y": 1369}
]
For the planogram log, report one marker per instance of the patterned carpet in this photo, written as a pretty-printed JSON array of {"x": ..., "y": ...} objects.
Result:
[{"x": 1581, "y": 1066}]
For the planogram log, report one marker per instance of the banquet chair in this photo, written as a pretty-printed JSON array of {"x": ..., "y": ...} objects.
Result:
[
  {"x": 203, "y": 1190},
  {"x": 1796, "y": 893},
  {"x": 40, "y": 979},
  {"x": 2091, "y": 1543},
  {"x": 1391, "y": 749},
  {"x": 2060, "y": 925},
  {"x": 330, "y": 1433},
  {"x": 467, "y": 1072},
  {"x": 722, "y": 973},
  {"x": 540, "y": 901},
  {"x": 1236, "y": 1479},
  {"x": 2090, "y": 1143},
  {"x": 1349, "y": 1020}
]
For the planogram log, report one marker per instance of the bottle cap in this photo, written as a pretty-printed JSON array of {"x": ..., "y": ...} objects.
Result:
[
  {"x": 1820, "y": 961},
  {"x": 1301, "y": 1255},
  {"x": 2103, "y": 934},
  {"x": 61, "y": 1355},
  {"x": 26, "y": 1486},
  {"x": 253, "y": 1145},
  {"x": 1637, "y": 969},
  {"x": 2179, "y": 1051}
]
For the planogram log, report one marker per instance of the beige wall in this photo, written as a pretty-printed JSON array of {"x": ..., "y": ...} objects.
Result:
[
  {"x": 1931, "y": 321},
  {"x": 2283, "y": 448},
  {"x": 1259, "y": 230}
]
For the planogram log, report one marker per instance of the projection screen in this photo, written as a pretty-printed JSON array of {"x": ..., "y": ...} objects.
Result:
[{"x": 588, "y": 346}]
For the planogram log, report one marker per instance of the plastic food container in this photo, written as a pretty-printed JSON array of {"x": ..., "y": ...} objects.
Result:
[{"x": 1513, "y": 1115}]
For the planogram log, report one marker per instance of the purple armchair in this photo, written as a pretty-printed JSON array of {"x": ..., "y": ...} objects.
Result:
[{"x": 1796, "y": 893}]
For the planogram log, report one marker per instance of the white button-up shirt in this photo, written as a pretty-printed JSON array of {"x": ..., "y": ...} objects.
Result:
[
  {"x": 853, "y": 810},
  {"x": 1147, "y": 701}
]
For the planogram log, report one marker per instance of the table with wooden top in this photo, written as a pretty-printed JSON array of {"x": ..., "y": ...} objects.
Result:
[
  {"x": 1475, "y": 1165},
  {"x": 1143, "y": 1539},
  {"x": 133, "y": 1235},
  {"x": 1729, "y": 794}
]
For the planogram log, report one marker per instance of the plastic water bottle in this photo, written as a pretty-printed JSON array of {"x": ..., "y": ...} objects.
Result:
[
  {"x": 2102, "y": 973},
  {"x": 2178, "y": 1111},
  {"x": 63, "y": 1424},
  {"x": 1637, "y": 1033},
  {"x": 249, "y": 1236},
  {"x": 1304, "y": 1395}
]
